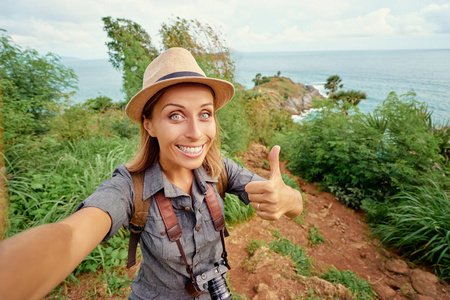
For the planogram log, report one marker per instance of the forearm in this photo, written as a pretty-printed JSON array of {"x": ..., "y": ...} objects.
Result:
[{"x": 35, "y": 261}]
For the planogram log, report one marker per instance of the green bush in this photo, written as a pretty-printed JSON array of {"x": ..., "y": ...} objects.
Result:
[
  {"x": 366, "y": 156},
  {"x": 234, "y": 126}
]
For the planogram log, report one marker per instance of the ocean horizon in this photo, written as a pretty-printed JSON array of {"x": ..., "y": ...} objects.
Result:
[{"x": 375, "y": 72}]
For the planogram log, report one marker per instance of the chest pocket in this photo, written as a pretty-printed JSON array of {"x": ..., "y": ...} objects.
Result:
[{"x": 206, "y": 233}]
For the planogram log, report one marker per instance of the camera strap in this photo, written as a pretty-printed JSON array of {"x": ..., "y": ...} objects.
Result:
[{"x": 173, "y": 228}]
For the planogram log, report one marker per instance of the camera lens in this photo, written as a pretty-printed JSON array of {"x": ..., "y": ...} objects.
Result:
[{"x": 218, "y": 289}]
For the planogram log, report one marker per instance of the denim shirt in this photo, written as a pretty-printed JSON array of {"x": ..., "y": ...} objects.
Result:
[{"x": 162, "y": 274}]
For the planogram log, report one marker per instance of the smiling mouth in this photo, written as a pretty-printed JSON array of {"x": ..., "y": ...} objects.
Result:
[{"x": 191, "y": 150}]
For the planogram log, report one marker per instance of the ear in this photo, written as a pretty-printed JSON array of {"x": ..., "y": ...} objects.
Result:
[{"x": 148, "y": 127}]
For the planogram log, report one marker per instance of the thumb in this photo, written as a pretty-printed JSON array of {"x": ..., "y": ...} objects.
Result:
[{"x": 274, "y": 162}]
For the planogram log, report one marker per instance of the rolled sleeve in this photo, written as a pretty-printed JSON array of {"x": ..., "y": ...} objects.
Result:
[
  {"x": 115, "y": 197},
  {"x": 238, "y": 178}
]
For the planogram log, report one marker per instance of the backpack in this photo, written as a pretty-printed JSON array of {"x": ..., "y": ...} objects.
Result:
[{"x": 140, "y": 211}]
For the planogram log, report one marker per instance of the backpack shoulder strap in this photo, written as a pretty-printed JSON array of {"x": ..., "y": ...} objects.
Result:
[
  {"x": 138, "y": 218},
  {"x": 140, "y": 207},
  {"x": 222, "y": 183}
]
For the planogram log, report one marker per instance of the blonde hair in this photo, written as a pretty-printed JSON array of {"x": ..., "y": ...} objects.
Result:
[{"x": 148, "y": 151}]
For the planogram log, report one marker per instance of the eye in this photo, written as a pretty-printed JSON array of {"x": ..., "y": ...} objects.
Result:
[
  {"x": 205, "y": 115},
  {"x": 175, "y": 117}
]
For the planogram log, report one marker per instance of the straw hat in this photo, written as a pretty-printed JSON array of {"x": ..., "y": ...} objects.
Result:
[{"x": 175, "y": 65}]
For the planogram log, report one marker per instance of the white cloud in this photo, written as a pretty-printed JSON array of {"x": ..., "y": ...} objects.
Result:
[
  {"x": 439, "y": 15},
  {"x": 74, "y": 28}
]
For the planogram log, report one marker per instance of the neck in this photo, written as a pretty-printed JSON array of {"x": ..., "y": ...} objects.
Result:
[{"x": 181, "y": 177}]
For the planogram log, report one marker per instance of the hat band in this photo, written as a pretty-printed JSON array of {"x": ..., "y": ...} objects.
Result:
[{"x": 180, "y": 74}]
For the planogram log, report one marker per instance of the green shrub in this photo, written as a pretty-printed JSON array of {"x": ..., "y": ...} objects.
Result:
[
  {"x": 290, "y": 181},
  {"x": 366, "y": 156},
  {"x": 98, "y": 104},
  {"x": 234, "y": 127}
]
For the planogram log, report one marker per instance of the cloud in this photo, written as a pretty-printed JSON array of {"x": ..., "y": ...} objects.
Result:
[
  {"x": 438, "y": 15},
  {"x": 375, "y": 24},
  {"x": 74, "y": 28}
]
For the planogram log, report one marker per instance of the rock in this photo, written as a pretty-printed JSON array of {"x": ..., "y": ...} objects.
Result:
[
  {"x": 401, "y": 284},
  {"x": 424, "y": 282},
  {"x": 260, "y": 287},
  {"x": 383, "y": 291},
  {"x": 343, "y": 292},
  {"x": 326, "y": 287},
  {"x": 420, "y": 297},
  {"x": 397, "y": 266},
  {"x": 264, "y": 293}
]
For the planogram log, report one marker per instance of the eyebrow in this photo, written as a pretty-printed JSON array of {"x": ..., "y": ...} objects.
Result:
[{"x": 181, "y": 106}]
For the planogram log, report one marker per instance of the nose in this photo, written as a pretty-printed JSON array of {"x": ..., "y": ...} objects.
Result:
[{"x": 193, "y": 129}]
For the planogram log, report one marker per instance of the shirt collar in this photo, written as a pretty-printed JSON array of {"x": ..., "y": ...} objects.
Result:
[{"x": 155, "y": 180}]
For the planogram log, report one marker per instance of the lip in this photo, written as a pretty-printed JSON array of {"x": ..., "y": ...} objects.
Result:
[{"x": 191, "y": 151}]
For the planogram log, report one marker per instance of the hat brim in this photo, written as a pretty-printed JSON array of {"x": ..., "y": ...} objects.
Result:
[{"x": 223, "y": 92}]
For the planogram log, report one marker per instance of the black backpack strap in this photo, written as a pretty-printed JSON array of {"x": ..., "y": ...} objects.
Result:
[{"x": 139, "y": 217}]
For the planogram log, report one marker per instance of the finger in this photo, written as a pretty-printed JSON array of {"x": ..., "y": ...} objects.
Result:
[
  {"x": 274, "y": 162},
  {"x": 258, "y": 187}
]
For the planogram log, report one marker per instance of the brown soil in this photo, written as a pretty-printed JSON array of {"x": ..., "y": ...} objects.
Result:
[{"x": 348, "y": 245}]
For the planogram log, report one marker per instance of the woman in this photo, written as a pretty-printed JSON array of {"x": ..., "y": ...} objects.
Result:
[{"x": 179, "y": 155}]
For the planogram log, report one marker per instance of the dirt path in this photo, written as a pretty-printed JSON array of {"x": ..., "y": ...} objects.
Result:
[{"x": 348, "y": 246}]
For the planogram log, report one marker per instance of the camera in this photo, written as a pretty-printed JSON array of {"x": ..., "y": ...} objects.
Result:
[{"x": 214, "y": 281}]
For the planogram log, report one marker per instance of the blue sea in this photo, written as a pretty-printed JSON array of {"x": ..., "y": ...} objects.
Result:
[{"x": 376, "y": 73}]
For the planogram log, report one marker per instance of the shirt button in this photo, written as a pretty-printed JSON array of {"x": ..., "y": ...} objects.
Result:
[
  {"x": 187, "y": 208},
  {"x": 197, "y": 227}
]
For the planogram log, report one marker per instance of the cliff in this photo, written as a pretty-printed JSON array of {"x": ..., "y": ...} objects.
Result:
[{"x": 286, "y": 94}]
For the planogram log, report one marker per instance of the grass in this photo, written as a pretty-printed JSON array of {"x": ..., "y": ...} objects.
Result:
[
  {"x": 49, "y": 187},
  {"x": 360, "y": 288},
  {"x": 236, "y": 211},
  {"x": 417, "y": 222},
  {"x": 314, "y": 236}
]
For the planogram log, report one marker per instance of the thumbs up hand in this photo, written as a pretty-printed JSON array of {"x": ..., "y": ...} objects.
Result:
[{"x": 273, "y": 198}]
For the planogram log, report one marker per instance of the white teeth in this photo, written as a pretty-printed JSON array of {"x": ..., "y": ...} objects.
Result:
[{"x": 191, "y": 150}]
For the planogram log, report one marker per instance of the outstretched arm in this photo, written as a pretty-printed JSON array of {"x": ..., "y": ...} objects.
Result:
[
  {"x": 35, "y": 261},
  {"x": 273, "y": 198}
]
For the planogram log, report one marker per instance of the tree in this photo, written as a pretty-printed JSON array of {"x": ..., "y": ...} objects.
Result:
[
  {"x": 130, "y": 51},
  {"x": 257, "y": 79},
  {"x": 203, "y": 42},
  {"x": 333, "y": 84},
  {"x": 30, "y": 84},
  {"x": 351, "y": 96}
]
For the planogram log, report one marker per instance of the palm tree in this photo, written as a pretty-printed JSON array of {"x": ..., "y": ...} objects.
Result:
[
  {"x": 333, "y": 84},
  {"x": 351, "y": 96}
]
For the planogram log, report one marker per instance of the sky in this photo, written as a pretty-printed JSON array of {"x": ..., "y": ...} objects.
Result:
[{"x": 75, "y": 29}]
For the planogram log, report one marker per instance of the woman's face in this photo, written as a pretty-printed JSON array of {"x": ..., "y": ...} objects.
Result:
[{"x": 184, "y": 124}]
